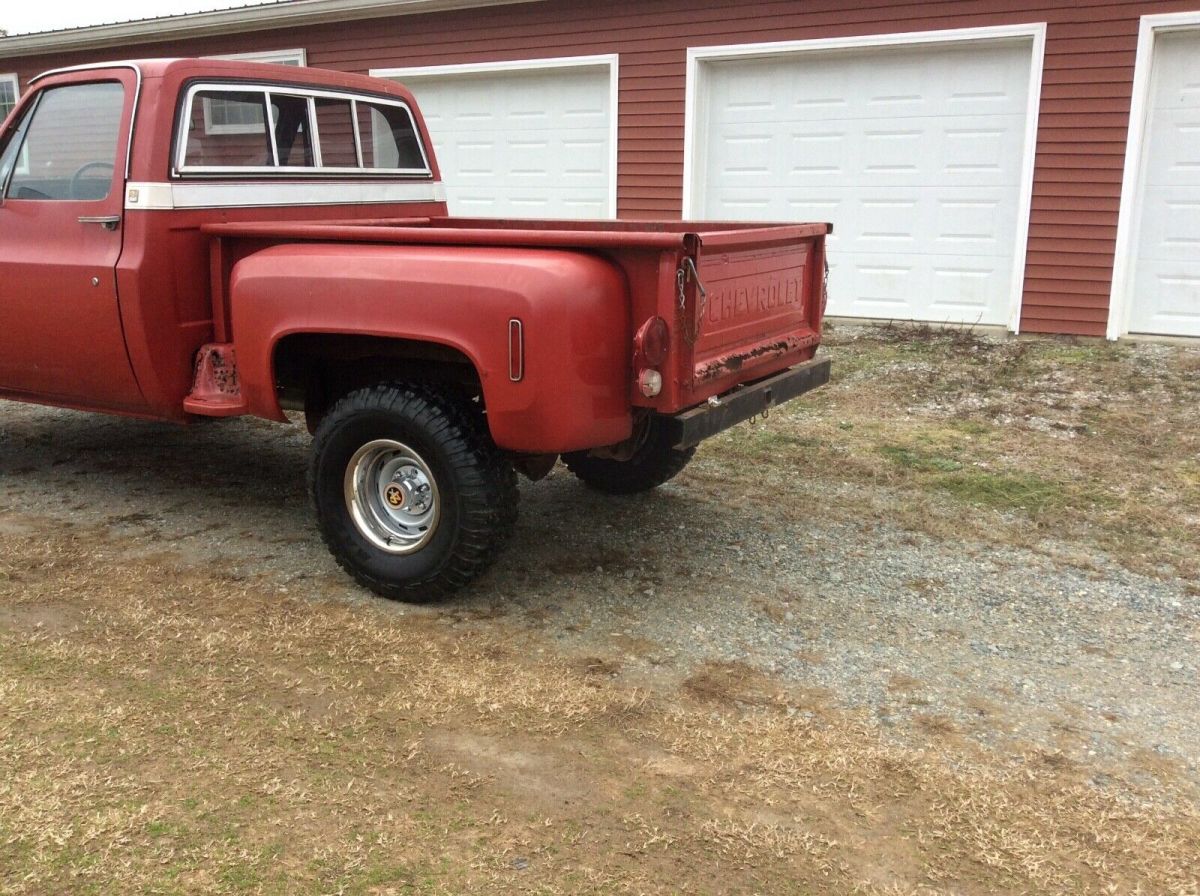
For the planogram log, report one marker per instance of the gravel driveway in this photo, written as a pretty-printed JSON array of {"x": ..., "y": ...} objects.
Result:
[{"x": 1051, "y": 651}]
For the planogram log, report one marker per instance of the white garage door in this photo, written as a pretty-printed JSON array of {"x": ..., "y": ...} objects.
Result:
[
  {"x": 917, "y": 154},
  {"x": 1166, "y": 282},
  {"x": 531, "y": 143}
]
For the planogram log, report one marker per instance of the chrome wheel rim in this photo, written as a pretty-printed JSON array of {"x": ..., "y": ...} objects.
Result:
[{"x": 392, "y": 496}]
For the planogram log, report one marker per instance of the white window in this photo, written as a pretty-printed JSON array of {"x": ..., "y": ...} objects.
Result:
[
  {"x": 10, "y": 90},
  {"x": 230, "y": 115},
  {"x": 276, "y": 57},
  {"x": 222, "y": 117}
]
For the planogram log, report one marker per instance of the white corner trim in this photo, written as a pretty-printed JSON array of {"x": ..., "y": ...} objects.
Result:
[
  {"x": 695, "y": 122},
  {"x": 1028, "y": 165},
  {"x": 611, "y": 61},
  {"x": 1129, "y": 217},
  {"x": 695, "y": 108}
]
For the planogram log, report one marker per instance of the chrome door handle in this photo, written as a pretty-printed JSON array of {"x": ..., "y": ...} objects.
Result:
[{"x": 108, "y": 222}]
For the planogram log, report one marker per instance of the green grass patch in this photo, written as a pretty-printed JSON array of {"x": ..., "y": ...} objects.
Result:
[
  {"x": 159, "y": 828},
  {"x": 1077, "y": 353},
  {"x": 921, "y": 461},
  {"x": 947, "y": 468},
  {"x": 774, "y": 440},
  {"x": 241, "y": 876},
  {"x": 1005, "y": 491},
  {"x": 972, "y": 428}
]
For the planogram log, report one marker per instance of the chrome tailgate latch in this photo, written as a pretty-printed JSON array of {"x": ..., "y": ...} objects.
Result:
[{"x": 687, "y": 270}]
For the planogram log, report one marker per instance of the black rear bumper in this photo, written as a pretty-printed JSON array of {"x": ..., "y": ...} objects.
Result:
[{"x": 720, "y": 413}]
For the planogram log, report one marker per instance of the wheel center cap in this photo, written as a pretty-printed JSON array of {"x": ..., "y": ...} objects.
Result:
[{"x": 395, "y": 496}]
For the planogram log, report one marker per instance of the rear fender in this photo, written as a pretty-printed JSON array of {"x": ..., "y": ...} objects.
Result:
[{"x": 573, "y": 309}]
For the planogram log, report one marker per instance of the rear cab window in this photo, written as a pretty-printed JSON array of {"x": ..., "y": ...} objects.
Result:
[{"x": 232, "y": 129}]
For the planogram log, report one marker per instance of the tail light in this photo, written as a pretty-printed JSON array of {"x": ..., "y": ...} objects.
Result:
[
  {"x": 650, "y": 347},
  {"x": 651, "y": 343},
  {"x": 650, "y": 382}
]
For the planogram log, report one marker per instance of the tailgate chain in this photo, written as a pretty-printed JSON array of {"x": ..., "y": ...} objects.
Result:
[{"x": 688, "y": 269}]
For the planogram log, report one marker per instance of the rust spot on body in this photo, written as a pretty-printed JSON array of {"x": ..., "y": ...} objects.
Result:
[{"x": 735, "y": 361}]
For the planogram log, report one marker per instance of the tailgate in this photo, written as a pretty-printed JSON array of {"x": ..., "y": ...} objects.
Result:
[{"x": 758, "y": 301}]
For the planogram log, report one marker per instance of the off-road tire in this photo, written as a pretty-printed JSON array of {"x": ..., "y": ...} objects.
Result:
[
  {"x": 476, "y": 485},
  {"x": 653, "y": 462}
]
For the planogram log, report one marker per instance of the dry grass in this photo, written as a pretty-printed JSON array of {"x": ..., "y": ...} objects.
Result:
[
  {"x": 166, "y": 731},
  {"x": 1049, "y": 444},
  {"x": 167, "y": 728}
]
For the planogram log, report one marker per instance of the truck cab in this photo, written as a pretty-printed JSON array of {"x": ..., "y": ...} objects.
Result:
[{"x": 109, "y": 172}]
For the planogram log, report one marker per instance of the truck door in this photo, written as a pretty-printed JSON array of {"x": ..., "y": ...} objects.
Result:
[{"x": 62, "y": 173}]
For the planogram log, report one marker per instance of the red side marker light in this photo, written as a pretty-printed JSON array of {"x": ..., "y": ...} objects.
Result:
[{"x": 516, "y": 350}]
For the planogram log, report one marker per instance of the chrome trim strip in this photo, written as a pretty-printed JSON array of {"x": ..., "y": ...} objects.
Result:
[
  {"x": 516, "y": 350},
  {"x": 315, "y": 136},
  {"x": 358, "y": 155},
  {"x": 272, "y": 140},
  {"x": 167, "y": 196},
  {"x": 86, "y": 67},
  {"x": 137, "y": 102}
]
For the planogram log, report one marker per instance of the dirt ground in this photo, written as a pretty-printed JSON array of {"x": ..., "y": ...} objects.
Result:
[{"x": 815, "y": 663}]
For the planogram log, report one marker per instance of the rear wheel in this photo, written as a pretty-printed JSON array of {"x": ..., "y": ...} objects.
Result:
[
  {"x": 648, "y": 462},
  {"x": 412, "y": 497}
]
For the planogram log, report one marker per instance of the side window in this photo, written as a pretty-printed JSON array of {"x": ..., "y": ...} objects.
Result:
[
  {"x": 69, "y": 149},
  {"x": 389, "y": 137}
]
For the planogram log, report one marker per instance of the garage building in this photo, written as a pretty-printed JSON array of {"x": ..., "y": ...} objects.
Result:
[{"x": 1029, "y": 164}]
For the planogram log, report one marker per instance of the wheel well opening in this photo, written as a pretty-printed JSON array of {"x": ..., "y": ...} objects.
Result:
[{"x": 313, "y": 370}]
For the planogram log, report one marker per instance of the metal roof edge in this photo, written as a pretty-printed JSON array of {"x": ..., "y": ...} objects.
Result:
[{"x": 227, "y": 21}]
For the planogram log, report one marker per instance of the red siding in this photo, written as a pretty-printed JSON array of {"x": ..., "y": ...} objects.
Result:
[{"x": 1084, "y": 114}]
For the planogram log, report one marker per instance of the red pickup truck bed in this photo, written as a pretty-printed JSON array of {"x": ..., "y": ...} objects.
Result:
[{"x": 741, "y": 300}]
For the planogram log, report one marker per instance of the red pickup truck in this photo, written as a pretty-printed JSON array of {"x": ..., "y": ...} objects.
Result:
[{"x": 182, "y": 239}]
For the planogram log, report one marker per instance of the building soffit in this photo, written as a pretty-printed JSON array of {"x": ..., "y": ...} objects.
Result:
[{"x": 265, "y": 17}]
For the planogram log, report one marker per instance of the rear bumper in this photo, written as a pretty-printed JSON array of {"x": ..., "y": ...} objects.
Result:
[{"x": 720, "y": 413}]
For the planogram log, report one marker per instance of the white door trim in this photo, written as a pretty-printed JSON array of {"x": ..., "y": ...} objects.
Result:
[
  {"x": 1035, "y": 32},
  {"x": 1124, "y": 264},
  {"x": 610, "y": 61}
]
